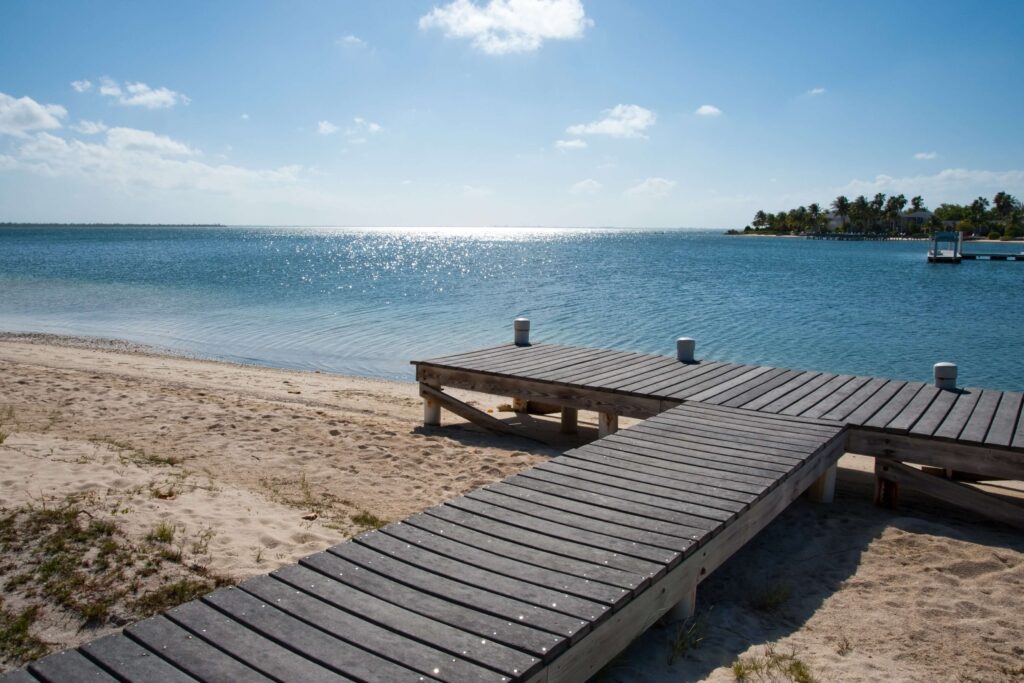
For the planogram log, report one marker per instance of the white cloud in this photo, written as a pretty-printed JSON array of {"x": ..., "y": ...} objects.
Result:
[
  {"x": 708, "y": 110},
  {"x": 651, "y": 188},
  {"x": 90, "y": 127},
  {"x": 351, "y": 41},
  {"x": 474, "y": 191},
  {"x": 588, "y": 186},
  {"x": 926, "y": 156},
  {"x": 507, "y": 26},
  {"x": 363, "y": 127},
  {"x": 621, "y": 121},
  {"x": 245, "y": 117},
  {"x": 326, "y": 128},
  {"x": 136, "y": 158},
  {"x": 81, "y": 86},
  {"x": 951, "y": 184},
  {"x": 816, "y": 91},
  {"x": 18, "y": 116},
  {"x": 141, "y": 95},
  {"x": 570, "y": 144}
]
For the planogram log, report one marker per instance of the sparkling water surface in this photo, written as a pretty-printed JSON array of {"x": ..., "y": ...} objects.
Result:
[{"x": 366, "y": 301}]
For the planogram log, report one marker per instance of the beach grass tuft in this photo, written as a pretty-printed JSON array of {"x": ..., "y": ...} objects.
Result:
[
  {"x": 368, "y": 520},
  {"x": 161, "y": 533},
  {"x": 17, "y": 643},
  {"x": 772, "y": 667},
  {"x": 771, "y": 598},
  {"x": 688, "y": 637}
]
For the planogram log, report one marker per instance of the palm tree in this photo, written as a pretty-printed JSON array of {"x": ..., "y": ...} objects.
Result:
[
  {"x": 760, "y": 219},
  {"x": 876, "y": 210},
  {"x": 893, "y": 209},
  {"x": 814, "y": 211},
  {"x": 860, "y": 211},
  {"x": 917, "y": 204},
  {"x": 841, "y": 205}
]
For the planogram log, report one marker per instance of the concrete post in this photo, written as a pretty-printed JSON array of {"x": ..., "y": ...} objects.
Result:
[
  {"x": 521, "y": 326},
  {"x": 685, "y": 347},
  {"x": 607, "y": 423},
  {"x": 945, "y": 375}
]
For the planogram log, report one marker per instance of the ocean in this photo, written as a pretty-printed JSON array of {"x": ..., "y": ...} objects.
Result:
[{"x": 366, "y": 301}]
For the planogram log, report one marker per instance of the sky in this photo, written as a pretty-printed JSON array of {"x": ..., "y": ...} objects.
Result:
[{"x": 501, "y": 112}]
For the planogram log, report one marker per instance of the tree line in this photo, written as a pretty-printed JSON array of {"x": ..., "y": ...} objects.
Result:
[{"x": 1002, "y": 218}]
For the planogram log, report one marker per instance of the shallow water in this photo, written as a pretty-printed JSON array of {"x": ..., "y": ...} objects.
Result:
[{"x": 367, "y": 301}]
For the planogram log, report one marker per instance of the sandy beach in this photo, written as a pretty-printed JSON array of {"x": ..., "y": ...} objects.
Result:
[{"x": 191, "y": 473}]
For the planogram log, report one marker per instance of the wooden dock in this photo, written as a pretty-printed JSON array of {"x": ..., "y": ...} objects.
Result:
[{"x": 547, "y": 575}]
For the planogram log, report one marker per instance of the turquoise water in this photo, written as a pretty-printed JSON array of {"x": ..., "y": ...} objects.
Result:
[{"x": 367, "y": 301}]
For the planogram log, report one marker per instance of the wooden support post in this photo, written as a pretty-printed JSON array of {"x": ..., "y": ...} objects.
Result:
[
  {"x": 570, "y": 416},
  {"x": 519, "y": 405},
  {"x": 823, "y": 490},
  {"x": 431, "y": 407},
  {"x": 886, "y": 491},
  {"x": 607, "y": 423},
  {"x": 685, "y": 608}
]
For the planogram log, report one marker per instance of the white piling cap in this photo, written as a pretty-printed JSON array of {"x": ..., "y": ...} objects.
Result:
[
  {"x": 521, "y": 328},
  {"x": 945, "y": 375},
  {"x": 685, "y": 346},
  {"x": 521, "y": 324}
]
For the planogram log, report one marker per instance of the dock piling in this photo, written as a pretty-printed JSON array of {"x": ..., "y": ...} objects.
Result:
[
  {"x": 607, "y": 424},
  {"x": 685, "y": 347},
  {"x": 945, "y": 375},
  {"x": 521, "y": 326},
  {"x": 431, "y": 410},
  {"x": 570, "y": 416}
]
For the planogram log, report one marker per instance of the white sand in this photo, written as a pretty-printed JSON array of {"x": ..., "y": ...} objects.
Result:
[{"x": 274, "y": 464}]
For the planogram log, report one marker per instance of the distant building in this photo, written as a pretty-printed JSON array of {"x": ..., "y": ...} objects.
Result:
[{"x": 913, "y": 221}]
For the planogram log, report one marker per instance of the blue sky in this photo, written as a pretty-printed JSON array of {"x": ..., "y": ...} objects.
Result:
[{"x": 503, "y": 112}]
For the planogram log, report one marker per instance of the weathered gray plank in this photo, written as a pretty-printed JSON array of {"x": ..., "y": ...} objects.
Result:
[
  {"x": 193, "y": 655},
  {"x": 958, "y": 416},
  {"x": 699, "y": 384},
  {"x": 1000, "y": 433},
  {"x": 596, "y": 374},
  {"x": 534, "y": 367},
  {"x": 739, "y": 416},
  {"x": 260, "y": 653},
  {"x": 132, "y": 662},
  {"x": 838, "y": 396},
  {"x": 484, "y": 558},
  {"x": 541, "y": 596},
  {"x": 792, "y": 433},
  {"x": 707, "y": 448},
  {"x": 457, "y": 357},
  {"x": 672, "y": 370},
  {"x": 779, "y": 392},
  {"x": 936, "y": 413},
  {"x": 764, "y": 442},
  {"x": 859, "y": 398},
  {"x": 754, "y": 384},
  {"x": 914, "y": 410},
  {"x": 894, "y": 405},
  {"x": 816, "y": 396},
  {"x": 782, "y": 402},
  {"x": 685, "y": 372},
  {"x": 18, "y": 676},
  {"x": 761, "y": 373},
  {"x": 981, "y": 418},
  {"x": 737, "y": 398},
  {"x": 69, "y": 665}
]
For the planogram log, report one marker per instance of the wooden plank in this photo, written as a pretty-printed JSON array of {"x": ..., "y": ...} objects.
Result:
[
  {"x": 456, "y": 357},
  {"x": 592, "y": 571},
  {"x": 738, "y": 398},
  {"x": 604, "y": 643},
  {"x": 764, "y": 421},
  {"x": 18, "y": 676},
  {"x": 1000, "y": 433},
  {"x": 909, "y": 416},
  {"x": 483, "y": 558},
  {"x": 541, "y": 537},
  {"x": 958, "y": 494},
  {"x": 730, "y": 484},
  {"x": 672, "y": 371},
  {"x": 617, "y": 498},
  {"x": 754, "y": 384},
  {"x": 761, "y": 442},
  {"x": 936, "y": 413},
  {"x": 559, "y": 601},
  {"x": 130, "y": 661},
  {"x": 706, "y": 448},
  {"x": 838, "y": 396},
  {"x": 782, "y": 402},
  {"x": 894, "y": 405},
  {"x": 310, "y": 577},
  {"x": 780, "y": 391},
  {"x": 656, "y": 367},
  {"x": 191, "y": 654},
  {"x": 959, "y": 414},
  {"x": 793, "y": 433},
  {"x": 597, "y": 374},
  {"x": 468, "y": 412},
  {"x": 540, "y": 506},
  {"x": 506, "y": 356},
  {"x": 981, "y": 418},
  {"x": 531, "y": 367},
  {"x": 364, "y": 646},
  {"x": 699, "y": 384},
  {"x": 513, "y": 516},
  {"x": 526, "y": 356},
  {"x": 994, "y": 463},
  {"x": 649, "y": 471},
  {"x": 816, "y": 396},
  {"x": 1018, "y": 436},
  {"x": 485, "y": 600},
  {"x": 573, "y": 397},
  {"x": 260, "y": 653},
  {"x": 685, "y": 372},
  {"x": 865, "y": 401},
  {"x": 69, "y": 665},
  {"x": 741, "y": 380}
]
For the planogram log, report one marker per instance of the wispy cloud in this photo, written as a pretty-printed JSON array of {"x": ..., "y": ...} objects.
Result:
[
  {"x": 587, "y": 186},
  {"x": 507, "y": 26},
  {"x": 476, "y": 191},
  {"x": 19, "y": 116},
  {"x": 926, "y": 156},
  {"x": 83, "y": 85},
  {"x": 326, "y": 128},
  {"x": 621, "y": 121},
  {"x": 571, "y": 144},
  {"x": 90, "y": 127},
  {"x": 651, "y": 188},
  {"x": 351, "y": 41},
  {"x": 141, "y": 95},
  {"x": 951, "y": 184},
  {"x": 814, "y": 92},
  {"x": 708, "y": 110},
  {"x": 244, "y": 117}
]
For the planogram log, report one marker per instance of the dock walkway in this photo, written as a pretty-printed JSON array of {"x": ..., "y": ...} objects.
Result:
[{"x": 548, "y": 574}]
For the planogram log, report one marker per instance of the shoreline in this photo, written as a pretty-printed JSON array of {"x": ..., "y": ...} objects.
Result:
[{"x": 244, "y": 468}]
